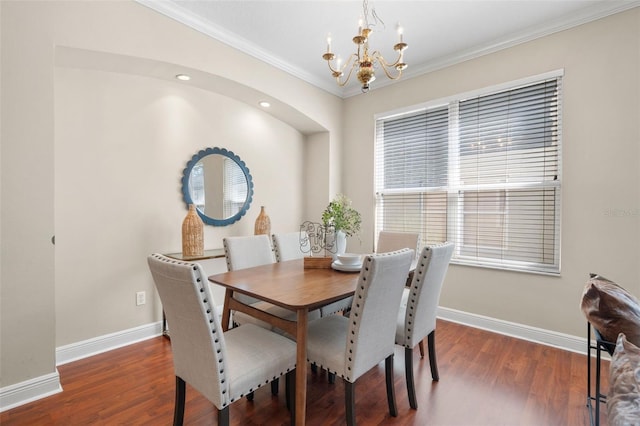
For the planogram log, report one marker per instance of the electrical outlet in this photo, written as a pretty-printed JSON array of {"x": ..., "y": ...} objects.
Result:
[{"x": 141, "y": 298}]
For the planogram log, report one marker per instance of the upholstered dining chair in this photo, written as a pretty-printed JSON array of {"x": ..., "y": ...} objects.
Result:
[
  {"x": 287, "y": 246},
  {"x": 418, "y": 309},
  {"x": 349, "y": 347},
  {"x": 394, "y": 240},
  {"x": 290, "y": 245},
  {"x": 222, "y": 366},
  {"x": 391, "y": 241},
  {"x": 247, "y": 252}
]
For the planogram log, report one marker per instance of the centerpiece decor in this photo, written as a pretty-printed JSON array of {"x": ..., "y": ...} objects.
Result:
[
  {"x": 340, "y": 221},
  {"x": 315, "y": 246},
  {"x": 328, "y": 239}
]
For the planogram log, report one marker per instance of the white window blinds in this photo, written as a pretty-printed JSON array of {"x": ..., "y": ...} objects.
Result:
[
  {"x": 234, "y": 187},
  {"x": 482, "y": 172}
]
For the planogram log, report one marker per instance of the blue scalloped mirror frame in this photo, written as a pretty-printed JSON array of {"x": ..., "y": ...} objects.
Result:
[{"x": 195, "y": 166}]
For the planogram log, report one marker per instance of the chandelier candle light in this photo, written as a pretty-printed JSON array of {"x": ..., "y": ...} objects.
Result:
[{"x": 362, "y": 59}]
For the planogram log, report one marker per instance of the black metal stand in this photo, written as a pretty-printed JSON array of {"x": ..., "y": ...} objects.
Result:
[{"x": 594, "y": 400}]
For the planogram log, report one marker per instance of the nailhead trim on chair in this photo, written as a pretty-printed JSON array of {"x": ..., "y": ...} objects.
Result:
[
  {"x": 226, "y": 252},
  {"x": 359, "y": 295},
  {"x": 411, "y": 302},
  {"x": 217, "y": 347},
  {"x": 366, "y": 265},
  {"x": 210, "y": 310}
]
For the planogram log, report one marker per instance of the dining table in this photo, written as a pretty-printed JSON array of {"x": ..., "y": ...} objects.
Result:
[{"x": 291, "y": 286}]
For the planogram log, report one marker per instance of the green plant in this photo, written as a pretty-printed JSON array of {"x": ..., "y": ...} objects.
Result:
[{"x": 341, "y": 216}]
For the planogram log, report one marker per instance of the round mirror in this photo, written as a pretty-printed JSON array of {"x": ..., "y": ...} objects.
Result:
[{"x": 219, "y": 184}]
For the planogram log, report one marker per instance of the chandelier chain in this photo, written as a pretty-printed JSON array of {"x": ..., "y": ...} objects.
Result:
[{"x": 374, "y": 15}]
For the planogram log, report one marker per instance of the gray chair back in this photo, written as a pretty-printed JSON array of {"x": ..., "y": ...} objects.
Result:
[
  {"x": 197, "y": 340},
  {"x": 376, "y": 302},
  {"x": 422, "y": 305},
  {"x": 391, "y": 241},
  {"x": 290, "y": 245},
  {"x": 247, "y": 252}
]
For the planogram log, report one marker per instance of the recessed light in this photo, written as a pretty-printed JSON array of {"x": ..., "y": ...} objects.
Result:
[
  {"x": 183, "y": 77},
  {"x": 264, "y": 104}
]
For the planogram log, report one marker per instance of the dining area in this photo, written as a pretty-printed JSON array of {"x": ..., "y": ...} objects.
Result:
[{"x": 284, "y": 315}]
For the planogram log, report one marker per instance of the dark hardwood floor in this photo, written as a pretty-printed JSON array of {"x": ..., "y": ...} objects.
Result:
[{"x": 485, "y": 379}]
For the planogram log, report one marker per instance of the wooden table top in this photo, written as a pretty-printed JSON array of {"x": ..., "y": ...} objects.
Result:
[{"x": 289, "y": 285}]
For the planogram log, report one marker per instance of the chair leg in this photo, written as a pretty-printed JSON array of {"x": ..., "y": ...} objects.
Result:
[
  {"x": 432, "y": 355},
  {"x": 223, "y": 416},
  {"x": 290, "y": 385},
  {"x": 250, "y": 396},
  {"x": 408, "y": 373},
  {"x": 350, "y": 403},
  {"x": 275, "y": 384},
  {"x": 391, "y": 393},
  {"x": 314, "y": 368},
  {"x": 331, "y": 377},
  {"x": 421, "y": 346},
  {"x": 287, "y": 391},
  {"x": 178, "y": 410}
]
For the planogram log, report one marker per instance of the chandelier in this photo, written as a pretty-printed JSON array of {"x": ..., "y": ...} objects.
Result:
[{"x": 362, "y": 60}]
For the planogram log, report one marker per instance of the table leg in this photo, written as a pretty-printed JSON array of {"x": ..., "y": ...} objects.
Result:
[
  {"x": 301, "y": 367},
  {"x": 226, "y": 312}
]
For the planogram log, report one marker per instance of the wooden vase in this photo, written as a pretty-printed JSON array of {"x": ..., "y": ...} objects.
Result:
[
  {"x": 192, "y": 233},
  {"x": 263, "y": 223}
]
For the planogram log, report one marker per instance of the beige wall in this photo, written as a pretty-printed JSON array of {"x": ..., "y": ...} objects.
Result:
[
  {"x": 601, "y": 173},
  {"x": 95, "y": 155},
  {"x": 27, "y": 311},
  {"x": 56, "y": 119},
  {"x": 121, "y": 143}
]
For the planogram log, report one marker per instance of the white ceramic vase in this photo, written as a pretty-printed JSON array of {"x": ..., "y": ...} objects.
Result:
[{"x": 337, "y": 243}]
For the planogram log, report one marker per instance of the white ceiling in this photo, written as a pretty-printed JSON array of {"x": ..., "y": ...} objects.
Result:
[{"x": 291, "y": 35}]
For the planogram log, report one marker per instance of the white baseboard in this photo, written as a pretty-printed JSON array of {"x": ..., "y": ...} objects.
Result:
[
  {"x": 30, "y": 390},
  {"x": 520, "y": 331},
  {"x": 107, "y": 342},
  {"x": 40, "y": 387}
]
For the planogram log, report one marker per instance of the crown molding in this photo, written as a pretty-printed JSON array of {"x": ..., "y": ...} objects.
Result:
[
  {"x": 176, "y": 12},
  {"x": 552, "y": 27}
]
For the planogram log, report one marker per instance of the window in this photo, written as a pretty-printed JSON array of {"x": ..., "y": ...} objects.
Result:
[
  {"x": 482, "y": 171},
  {"x": 227, "y": 181},
  {"x": 196, "y": 182},
  {"x": 235, "y": 188}
]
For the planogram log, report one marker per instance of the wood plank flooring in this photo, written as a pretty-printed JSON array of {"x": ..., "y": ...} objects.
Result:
[{"x": 485, "y": 379}]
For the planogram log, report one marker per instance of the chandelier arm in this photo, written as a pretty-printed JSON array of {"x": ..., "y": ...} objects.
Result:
[
  {"x": 352, "y": 57},
  {"x": 346, "y": 80},
  {"x": 384, "y": 65},
  {"x": 377, "y": 55},
  {"x": 331, "y": 68}
]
